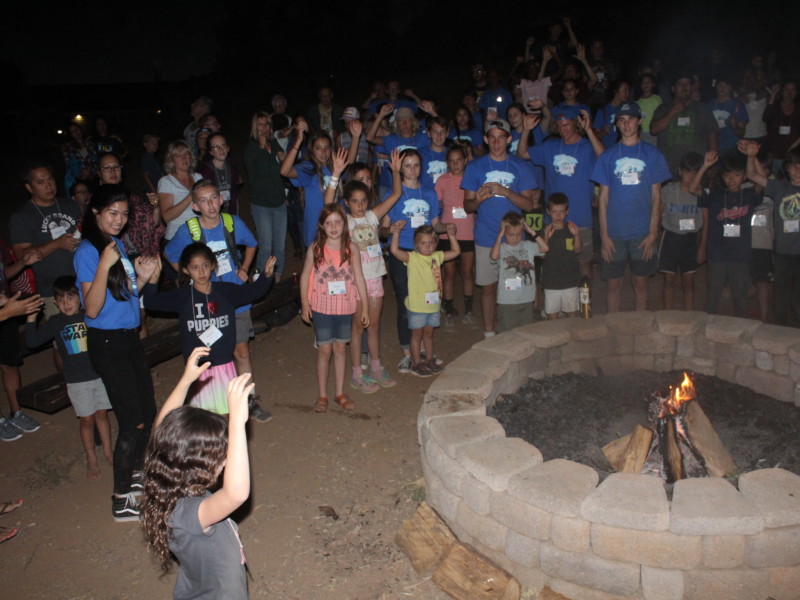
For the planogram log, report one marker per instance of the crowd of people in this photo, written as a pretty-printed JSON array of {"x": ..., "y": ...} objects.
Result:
[{"x": 559, "y": 163}]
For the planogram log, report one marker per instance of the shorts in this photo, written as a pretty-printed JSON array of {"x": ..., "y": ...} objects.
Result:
[
  {"x": 87, "y": 397},
  {"x": 244, "y": 327},
  {"x": 486, "y": 272},
  {"x": 417, "y": 320},
  {"x": 678, "y": 251},
  {"x": 556, "y": 301},
  {"x": 624, "y": 251},
  {"x": 464, "y": 245},
  {"x": 761, "y": 266},
  {"x": 210, "y": 391},
  {"x": 331, "y": 328},
  {"x": 375, "y": 287},
  {"x": 510, "y": 316},
  {"x": 9, "y": 342},
  {"x": 587, "y": 248}
]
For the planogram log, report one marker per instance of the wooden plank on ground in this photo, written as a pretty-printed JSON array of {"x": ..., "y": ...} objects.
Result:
[
  {"x": 466, "y": 575},
  {"x": 425, "y": 539}
]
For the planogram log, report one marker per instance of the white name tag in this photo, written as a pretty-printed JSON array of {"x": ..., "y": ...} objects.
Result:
[
  {"x": 417, "y": 221},
  {"x": 686, "y": 224},
  {"x": 630, "y": 178},
  {"x": 224, "y": 265},
  {"x": 57, "y": 232},
  {"x": 374, "y": 251},
  {"x": 337, "y": 288},
  {"x": 226, "y": 195},
  {"x": 759, "y": 221},
  {"x": 684, "y": 121},
  {"x": 431, "y": 297},
  {"x": 791, "y": 226},
  {"x": 784, "y": 130},
  {"x": 210, "y": 335},
  {"x": 731, "y": 230},
  {"x": 513, "y": 284},
  {"x": 459, "y": 213},
  {"x": 567, "y": 169}
]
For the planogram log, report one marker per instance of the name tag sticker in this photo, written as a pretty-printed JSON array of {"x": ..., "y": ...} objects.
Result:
[
  {"x": 567, "y": 169},
  {"x": 417, "y": 221},
  {"x": 686, "y": 224},
  {"x": 459, "y": 213},
  {"x": 224, "y": 265},
  {"x": 791, "y": 226},
  {"x": 57, "y": 232},
  {"x": 630, "y": 178},
  {"x": 513, "y": 284},
  {"x": 684, "y": 121},
  {"x": 210, "y": 335},
  {"x": 759, "y": 221},
  {"x": 374, "y": 251},
  {"x": 431, "y": 297},
  {"x": 337, "y": 288},
  {"x": 784, "y": 130},
  {"x": 731, "y": 230}
]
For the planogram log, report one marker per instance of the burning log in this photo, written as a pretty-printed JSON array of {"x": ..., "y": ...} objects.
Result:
[{"x": 680, "y": 443}]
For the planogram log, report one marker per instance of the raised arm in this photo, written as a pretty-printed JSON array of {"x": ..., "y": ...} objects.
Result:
[
  {"x": 372, "y": 135},
  {"x": 287, "y": 165},
  {"x": 236, "y": 482},
  {"x": 529, "y": 123},
  {"x": 94, "y": 292},
  {"x": 397, "y": 187},
  {"x": 586, "y": 123},
  {"x": 695, "y": 187},
  {"x": 754, "y": 171},
  {"x": 340, "y": 163},
  {"x": 455, "y": 249},
  {"x": 394, "y": 246},
  {"x": 494, "y": 253}
]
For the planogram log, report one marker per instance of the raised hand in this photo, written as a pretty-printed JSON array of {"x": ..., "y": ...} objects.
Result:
[
  {"x": 239, "y": 389},
  {"x": 339, "y": 161},
  {"x": 110, "y": 255}
]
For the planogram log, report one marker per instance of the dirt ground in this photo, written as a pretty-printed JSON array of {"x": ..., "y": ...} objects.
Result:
[{"x": 365, "y": 466}]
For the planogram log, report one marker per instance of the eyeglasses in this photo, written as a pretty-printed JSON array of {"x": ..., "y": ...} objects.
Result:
[
  {"x": 107, "y": 168},
  {"x": 219, "y": 146}
]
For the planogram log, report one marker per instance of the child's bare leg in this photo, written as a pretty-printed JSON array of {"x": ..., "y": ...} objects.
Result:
[
  {"x": 687, "y": 279},
  {"x": 339, "y": 364},
  {"x": 355, "y": 340},
  {"x": 427, "y": 340},
  {"x": 104, "y": 431},
  {"x": 86, "y": 428},
  {"x": 640, "y": 292},
  {"x": 572, "y": 314},
  {"x": 323, "y": 360},
  {"x": 669, "y": 291},
  {"x": 449, "y": 279},
  {"x": 416, "y": 343},
  {"x": 613, "y": 289},
  {"x": 467, "y": 261},
  {"x": 374, "y": 329},
  {"x": 764, "y": 289}
]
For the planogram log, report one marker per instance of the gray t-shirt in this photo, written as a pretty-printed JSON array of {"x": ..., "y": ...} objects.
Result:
[
  {"x": 679, "y": 211},
  {"x": 38, "y": 225},
  {"x": 688, "y": 131},
  {"x": 786, "y": 215},
  {"x": 212, "y": 564}
]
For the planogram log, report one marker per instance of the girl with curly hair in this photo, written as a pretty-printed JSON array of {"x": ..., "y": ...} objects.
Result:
[{"x": 182, "y": 519}]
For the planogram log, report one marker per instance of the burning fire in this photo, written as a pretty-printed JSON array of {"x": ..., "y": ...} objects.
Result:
[{"x": 679, "y": 396}]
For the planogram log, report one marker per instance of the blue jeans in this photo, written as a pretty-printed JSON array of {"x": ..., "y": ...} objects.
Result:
[{"x": 271, "y": 233}]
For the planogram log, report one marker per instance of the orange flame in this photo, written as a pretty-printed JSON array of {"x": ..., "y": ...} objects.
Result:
[{"x": 680, "y": 396}]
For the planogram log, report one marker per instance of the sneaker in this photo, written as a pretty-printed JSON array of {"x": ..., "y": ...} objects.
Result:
[
  {"x": 469, "y": 320},
  {"x": 434, "y": 366},
  {"x": 23, "y": 422},
  {"x": 8, "y": 433},
  {"x": 364, "y": 384},
  {"x": 124, "y": 508},
  {"x": 404, "y": 366},
  {"x": 454, "y": 311},
  {"x": 137, "y": 487},
  {"x": 258, "y": 413},
  {"x": 382, "y": 378},
  {"x": 365, "y": 361},
  {"x": 449, "y": 322},
  {"x": 423, "y": 357},
  {"x": 421, "y": 369}
]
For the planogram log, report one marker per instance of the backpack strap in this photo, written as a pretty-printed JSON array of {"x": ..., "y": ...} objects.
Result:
[
  {"x": 195, "y": 230},
  {"x": 230, "y": 238}
]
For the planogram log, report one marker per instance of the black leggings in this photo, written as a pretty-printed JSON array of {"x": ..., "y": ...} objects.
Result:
[{"x": 118, "y": 357}]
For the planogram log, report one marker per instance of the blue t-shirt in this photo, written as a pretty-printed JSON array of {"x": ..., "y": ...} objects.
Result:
[
  {"x": 723, "y": 113},
  {"x": 567, "y": 169},
  {"x": 395, "y": 141},
  {"x": 607, "y": 116},
  {"x": 215, "y": 239},
  {"x": 434, "y": 165},
  {"x": 115, "y": 314},
  {"x": 473, "y": 136},
  {"x": 308, "y": 179},
  {"x": 416, "y": 206},
  {"x": 630, "y": 172},
  {"x": 513, "y": 173}
]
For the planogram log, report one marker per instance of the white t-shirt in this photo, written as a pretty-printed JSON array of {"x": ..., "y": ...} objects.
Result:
[
  {"x": 364, "y": 234},
  {"x": 169, "y": 185}
]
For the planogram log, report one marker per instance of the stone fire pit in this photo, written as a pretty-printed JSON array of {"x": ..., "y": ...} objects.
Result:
[{"x": 549, "y": 523}]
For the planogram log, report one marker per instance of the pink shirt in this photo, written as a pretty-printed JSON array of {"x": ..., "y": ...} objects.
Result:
[
  {"x": 451, "y": 196},
  {"x": 327, "y": 281}
]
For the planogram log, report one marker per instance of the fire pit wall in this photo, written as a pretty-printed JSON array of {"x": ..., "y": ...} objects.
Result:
[{"x": 550, "y": 523}]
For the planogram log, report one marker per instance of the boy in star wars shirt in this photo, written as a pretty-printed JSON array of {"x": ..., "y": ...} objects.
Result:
[{"x": 727, "y": 212}]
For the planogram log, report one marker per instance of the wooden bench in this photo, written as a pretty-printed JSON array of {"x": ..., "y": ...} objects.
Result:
[{"x": 49, "y": 394}]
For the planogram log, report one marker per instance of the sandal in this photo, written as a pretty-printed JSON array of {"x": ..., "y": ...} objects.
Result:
[
  {"x": 8, "y": 507},
  {"x": 321, "y": 406},
  {"x": 6, "y": 533},
  {"x": 344, "y": 401}
]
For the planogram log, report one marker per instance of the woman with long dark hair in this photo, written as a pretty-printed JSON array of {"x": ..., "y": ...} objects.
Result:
[{"x": 109, "y": 287}]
